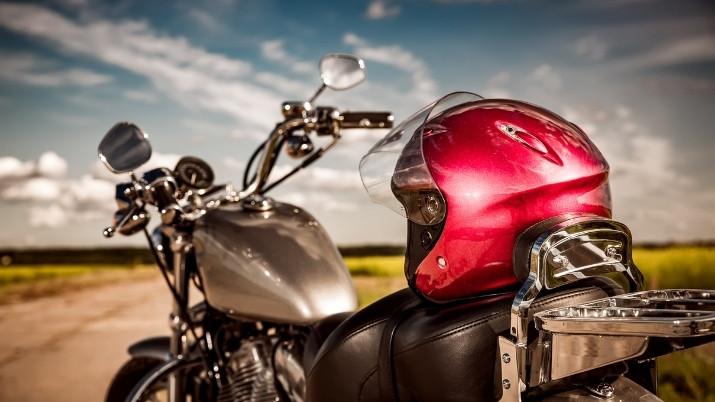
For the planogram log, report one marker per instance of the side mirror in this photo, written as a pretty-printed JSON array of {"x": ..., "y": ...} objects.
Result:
[
  {"x": 124, "y": 148},
  {"x": 342, "y": 71}
]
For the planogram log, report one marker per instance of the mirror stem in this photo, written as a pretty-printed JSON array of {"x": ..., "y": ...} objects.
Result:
[{"x": 317, "y": 93}]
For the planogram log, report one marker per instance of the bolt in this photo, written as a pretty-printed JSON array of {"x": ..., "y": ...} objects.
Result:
[
  {"x": 505, "y": 358},
  {"x": 506, "y": 384}
]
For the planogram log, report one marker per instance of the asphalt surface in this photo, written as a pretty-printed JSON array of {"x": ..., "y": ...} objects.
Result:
[{"x": 67, "y": 348}]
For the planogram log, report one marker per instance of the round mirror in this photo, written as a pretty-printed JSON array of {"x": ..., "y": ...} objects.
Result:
[
  {"x": 342, "y": 71},
  {"x": 124, "y": 148}
]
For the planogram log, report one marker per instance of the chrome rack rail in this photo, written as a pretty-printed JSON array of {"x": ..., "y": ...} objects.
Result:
[{"x": 644, "y": 324}]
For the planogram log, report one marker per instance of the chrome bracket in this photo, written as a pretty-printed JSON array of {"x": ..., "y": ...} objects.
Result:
[
  {"x": 570, "y": 248},
  {"x": 511, "y": 383}
]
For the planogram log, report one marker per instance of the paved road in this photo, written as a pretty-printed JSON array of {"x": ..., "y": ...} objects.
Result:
[{"x": 67, "y": 348}]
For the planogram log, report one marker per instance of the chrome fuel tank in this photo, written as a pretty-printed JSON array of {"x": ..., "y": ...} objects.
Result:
[{"x": 277, "y": 265}]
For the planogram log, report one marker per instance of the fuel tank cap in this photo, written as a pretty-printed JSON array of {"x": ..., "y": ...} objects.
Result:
[{"x": 258, "y": 203}]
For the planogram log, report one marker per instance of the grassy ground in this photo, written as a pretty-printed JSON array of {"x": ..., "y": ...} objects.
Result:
[
  {"x": 20, "y": 283},
  {"x": 677, "y": 267},
  {"x": 686, "y": 375}
]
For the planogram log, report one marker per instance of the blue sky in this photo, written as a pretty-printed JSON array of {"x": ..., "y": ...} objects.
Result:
[{"x": 206, "y": 78}]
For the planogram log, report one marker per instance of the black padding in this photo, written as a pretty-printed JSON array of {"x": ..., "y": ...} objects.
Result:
[
  {"x": 441, "y": 353},
  {"x": 318, "y": 334}
]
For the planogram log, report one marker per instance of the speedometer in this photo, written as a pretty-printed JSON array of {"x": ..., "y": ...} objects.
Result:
[{"x": 194, "y": 173}]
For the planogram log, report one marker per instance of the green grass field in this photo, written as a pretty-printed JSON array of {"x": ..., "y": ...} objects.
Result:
[
  {"x": 677, "y": 267},
  {"x": 26, "y": 282}
]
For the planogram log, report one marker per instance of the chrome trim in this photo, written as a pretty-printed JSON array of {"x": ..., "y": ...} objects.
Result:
[
  {"x": 619, "y": 328},
  {"x": 258, "y": 203},
  {"x": 571, "y": 355},
  {"x": 621, "y": 390}
]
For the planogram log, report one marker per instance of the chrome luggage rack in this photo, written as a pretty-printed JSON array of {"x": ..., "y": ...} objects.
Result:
[
  {"x": 670, "y": 313},
  {"x": 575, "y": 339}
]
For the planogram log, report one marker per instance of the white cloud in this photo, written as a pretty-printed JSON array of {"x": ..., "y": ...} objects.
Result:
[
  {"x": 499, "y": 80},
  {"x": 546, "y": 76},
  {"x": 495, "y": 86},
  {"x": 190, "y": 75},
  {"x": 669, "y": 86},
  {"x": 685, "y": 50},
  {"x": 591, "y": 48},
  {"x": 99, "y": 171},
  {"x": 32, "y": 189},
  {"x": 424, "y": 87},
  {"x": 327, "y": 202},
  {"x": 31, "y": 70},
  {"x": 273, "y": 50},
  {"x": 74, "y": 3},
  {"x": 205, "y": 20},
  {"x": 379, "y": 9},
  {"x": 331, "y": 179},
  {"x": 141, "y": 96},
  {"x": 234, "y": 164},
  {"x": 52, "y": 215},
  {"x": 495, "y": 93},
  {"x": 161, "y": 160},
  {"x": 51, "y": 165},
  {"x": 623, "y": 111},
  {"x": 90, "y": 191},
  {"x": 11, "y": 167},
  {"x": 285, "y": 85}
]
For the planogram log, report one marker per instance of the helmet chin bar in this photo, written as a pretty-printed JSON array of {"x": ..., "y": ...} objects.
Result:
[{"x": 576, "y": 339}]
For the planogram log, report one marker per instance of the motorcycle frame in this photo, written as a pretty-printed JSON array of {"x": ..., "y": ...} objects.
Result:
[
  {"x": 179, "y": 353},
  {"x": 180, "y": 245}
]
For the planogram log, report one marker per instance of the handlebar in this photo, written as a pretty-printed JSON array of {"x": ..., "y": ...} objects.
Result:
[
  {"x": 158, "y": 187},
  {"x": 366, "y": 120}
]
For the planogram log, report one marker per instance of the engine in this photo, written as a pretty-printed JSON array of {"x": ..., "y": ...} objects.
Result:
[{"x": 264, "y": 369}]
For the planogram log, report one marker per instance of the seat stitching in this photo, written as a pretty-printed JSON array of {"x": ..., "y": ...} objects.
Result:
[{"x": 364, "y": 381}]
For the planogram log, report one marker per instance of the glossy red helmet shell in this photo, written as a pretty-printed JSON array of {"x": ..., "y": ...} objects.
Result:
[{"x": 497, "y": 167}]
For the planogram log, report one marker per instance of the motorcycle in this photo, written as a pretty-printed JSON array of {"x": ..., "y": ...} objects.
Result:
[{"x": 555, "y": 310}]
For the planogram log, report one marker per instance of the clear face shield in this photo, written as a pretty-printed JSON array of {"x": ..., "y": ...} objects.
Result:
[{"x": 395, "y": 173}]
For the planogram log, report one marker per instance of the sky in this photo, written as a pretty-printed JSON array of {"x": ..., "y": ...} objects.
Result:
[{"x": 207, "y": 77}]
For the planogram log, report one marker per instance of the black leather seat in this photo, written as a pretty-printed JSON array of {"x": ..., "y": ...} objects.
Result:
[{"x": 440, "y": 353}]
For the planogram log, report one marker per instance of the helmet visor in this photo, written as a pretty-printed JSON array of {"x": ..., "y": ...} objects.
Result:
[{"x": 395, "y": 173}]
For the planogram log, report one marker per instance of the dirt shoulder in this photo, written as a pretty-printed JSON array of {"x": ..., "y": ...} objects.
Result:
[{"x": 67, "y": 347}]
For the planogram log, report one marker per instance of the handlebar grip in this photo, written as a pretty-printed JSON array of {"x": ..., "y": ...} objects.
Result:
[{"x": 366, "y": 120}]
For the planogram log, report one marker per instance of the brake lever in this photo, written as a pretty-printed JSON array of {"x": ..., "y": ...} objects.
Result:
[{"x": 112, "y": 230}]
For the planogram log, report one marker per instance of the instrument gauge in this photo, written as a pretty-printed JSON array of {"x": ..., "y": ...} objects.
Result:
[{"x": 194, "y": 173}]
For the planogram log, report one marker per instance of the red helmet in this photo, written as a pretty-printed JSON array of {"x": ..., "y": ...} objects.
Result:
[{"x": 471, "y": 174}]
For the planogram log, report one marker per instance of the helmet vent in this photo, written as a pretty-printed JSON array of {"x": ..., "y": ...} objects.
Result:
[{"x": 523, "y": 137}]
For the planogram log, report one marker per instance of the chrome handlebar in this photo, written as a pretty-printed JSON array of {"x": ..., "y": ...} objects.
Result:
[
  {"x": 302, "y": 116},
  {"x": 176, "y": 206}
]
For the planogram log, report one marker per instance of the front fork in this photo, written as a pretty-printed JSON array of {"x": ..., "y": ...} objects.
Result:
[{"x": 178, "y": 346}]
